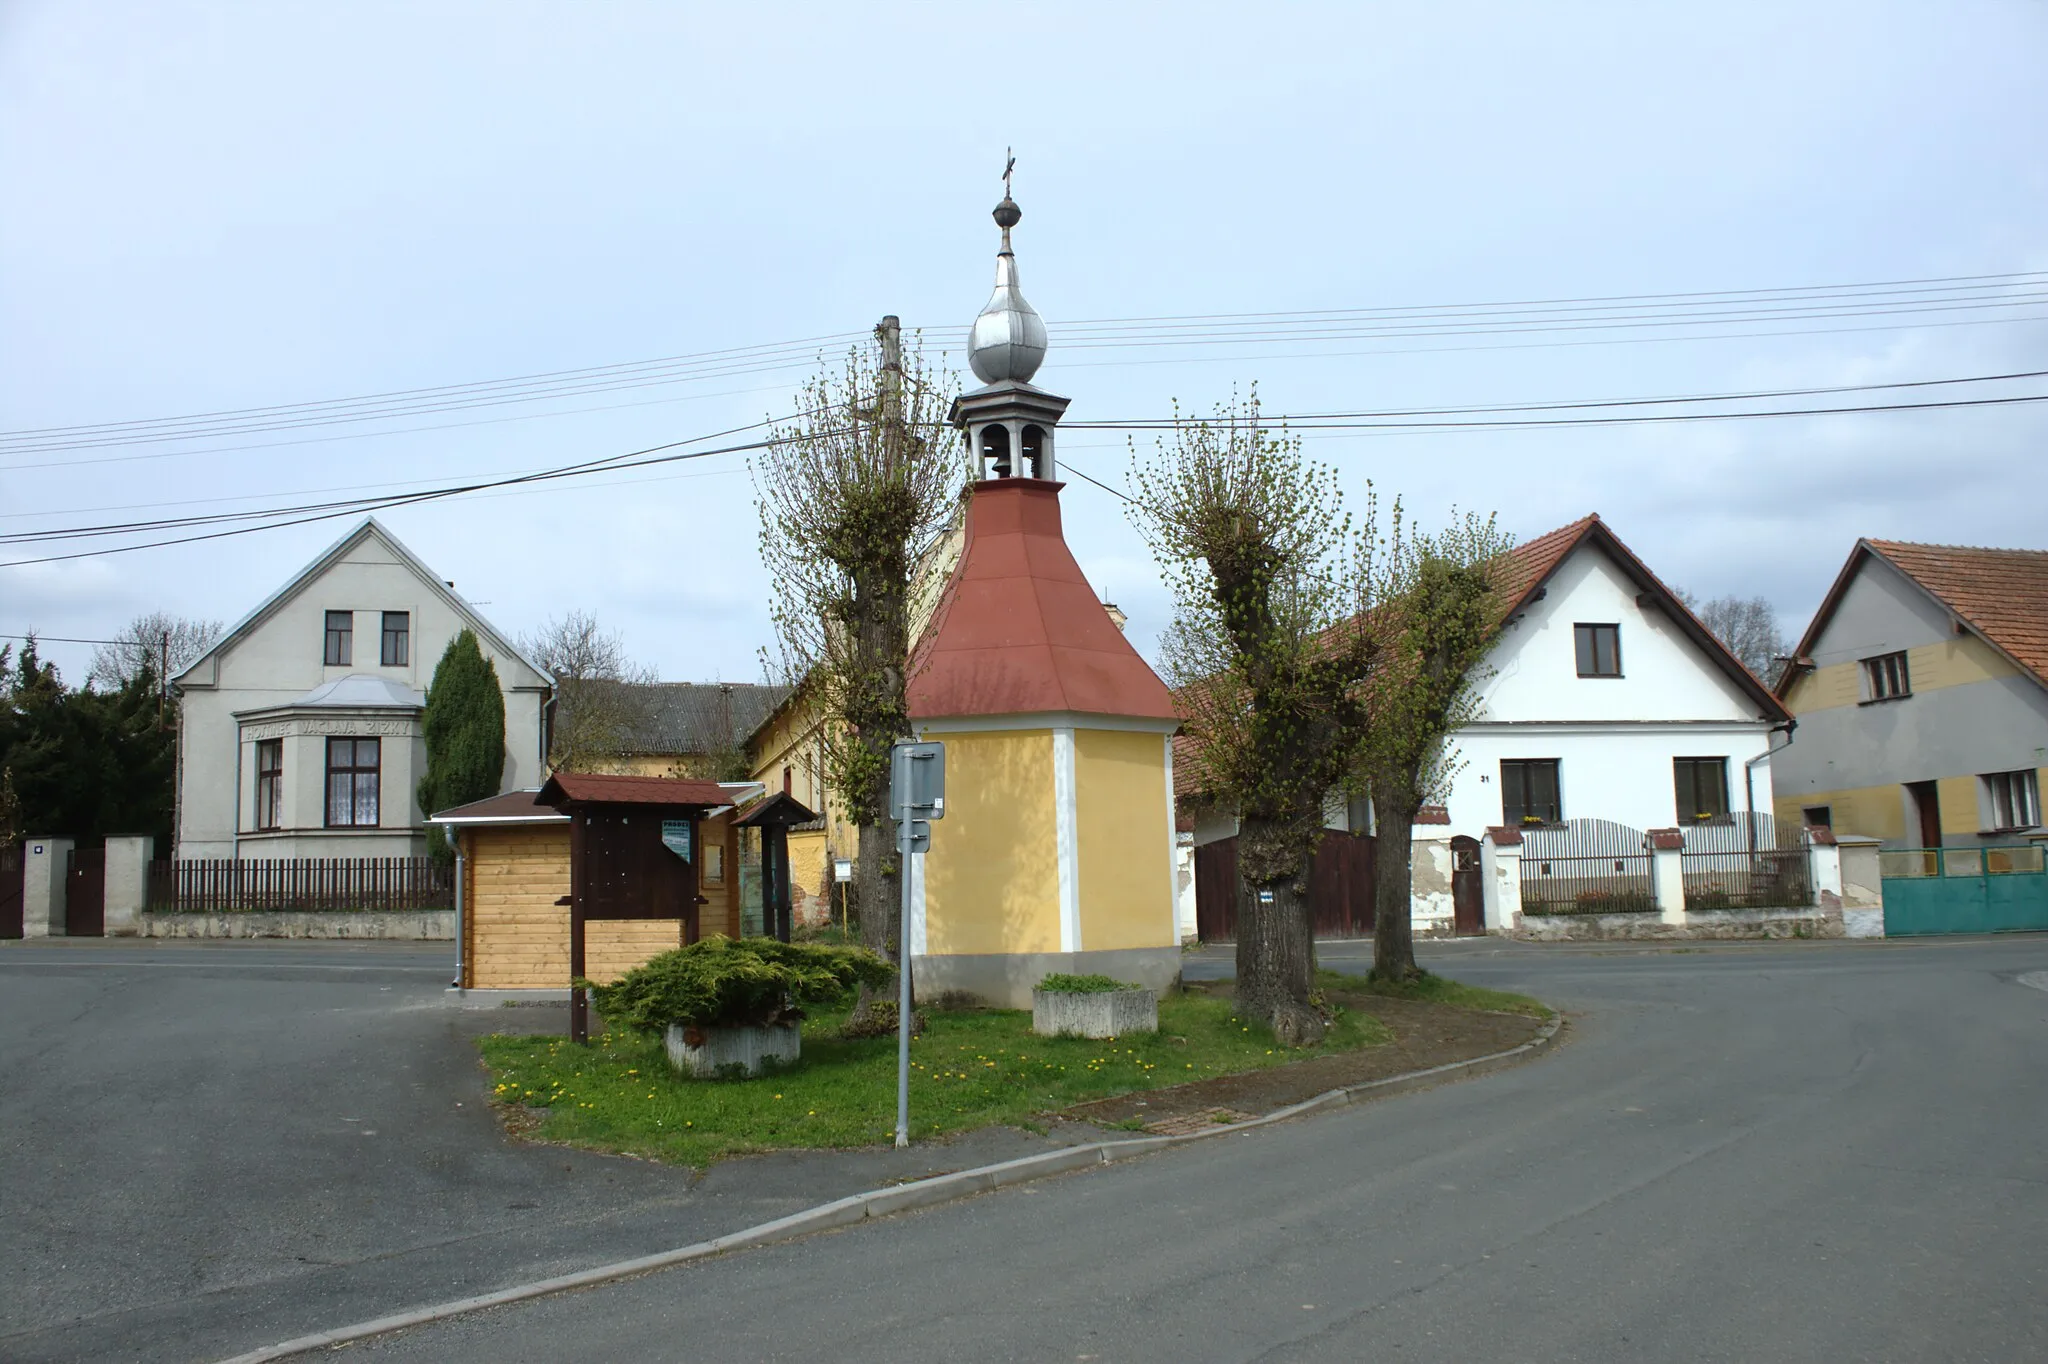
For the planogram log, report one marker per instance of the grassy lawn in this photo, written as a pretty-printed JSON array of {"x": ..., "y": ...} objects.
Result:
[
  {"x": 971, "y": 1069},
  {"x": 1434, "y": 990}
]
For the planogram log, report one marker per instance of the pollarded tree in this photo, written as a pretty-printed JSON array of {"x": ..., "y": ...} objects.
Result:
[
  {"x": 1270, "y": 652},
  {"x": 465, "y": 730},
  {"x": 854, "y": 491},
  {"x": 1435, "y": 613}
]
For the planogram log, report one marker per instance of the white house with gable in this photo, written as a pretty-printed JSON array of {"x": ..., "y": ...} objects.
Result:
[
  {"x": 1604, "y": 699},
  {"x": 1607, "y": 699},
  {"x": 299, "y": 732}
]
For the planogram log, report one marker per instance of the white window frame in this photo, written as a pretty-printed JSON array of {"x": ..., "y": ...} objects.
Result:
[{"x": 2012, "y": 800}]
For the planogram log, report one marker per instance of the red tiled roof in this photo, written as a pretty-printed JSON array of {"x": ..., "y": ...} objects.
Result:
[
  {"x": 566, "y": 787},
  {"x": 1019, "y": 629},
  {"x": 2002, "y": 594}
]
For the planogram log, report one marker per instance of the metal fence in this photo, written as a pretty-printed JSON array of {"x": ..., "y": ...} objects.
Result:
[
  {"x": 1586, "y": 866},
  {"x": 1746, "y": 861},
  {"x": 301, "y": 883}
]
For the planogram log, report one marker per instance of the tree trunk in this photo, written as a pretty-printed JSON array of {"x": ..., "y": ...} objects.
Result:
[
  {"x": 878, "y": 900},
  {"x": 1393, "y": 899},
  {"x": 1276, "y": 960}
]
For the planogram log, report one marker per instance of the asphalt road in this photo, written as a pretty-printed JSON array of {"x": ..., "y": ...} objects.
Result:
[
  {"x": 1800, "y": 1152},
  {"x": 210, "y": 1146}
]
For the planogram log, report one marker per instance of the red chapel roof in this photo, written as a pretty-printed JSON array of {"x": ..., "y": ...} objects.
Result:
[{"x": 1019, "y": 629}]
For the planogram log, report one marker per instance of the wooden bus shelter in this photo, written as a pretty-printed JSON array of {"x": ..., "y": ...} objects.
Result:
[
  {"x": 634, "y": 852},
  {"x": 774, "y": 817}
]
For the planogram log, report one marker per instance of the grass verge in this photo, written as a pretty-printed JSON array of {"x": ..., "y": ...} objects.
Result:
[
  {"x": 1433, "y": 990},
  {"x": 970, "y": 1069}
]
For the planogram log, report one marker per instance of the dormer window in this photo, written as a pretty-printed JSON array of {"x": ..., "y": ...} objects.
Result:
[
  {"x": 396, "y": 651},
  {"x": 341, "y": 632},
  {"x": 1599, "y": 650}
]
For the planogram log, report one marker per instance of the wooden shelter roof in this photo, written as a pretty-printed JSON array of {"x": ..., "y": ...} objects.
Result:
[{"x": 593, "y": 788}]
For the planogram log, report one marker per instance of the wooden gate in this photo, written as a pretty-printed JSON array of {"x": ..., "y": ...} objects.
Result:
[
  {"x": 11, "y": 870},
  {"x": 85, "y": 892},
  {"x": 1340, "y": 885},
  {"x": 1468, "y": 909}
]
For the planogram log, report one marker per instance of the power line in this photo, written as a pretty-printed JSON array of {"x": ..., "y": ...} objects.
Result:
[
  {"x": 1297, "y": 417},
  {"x": 60, "y": 639},
  {"x": 1804, "y": 302}
]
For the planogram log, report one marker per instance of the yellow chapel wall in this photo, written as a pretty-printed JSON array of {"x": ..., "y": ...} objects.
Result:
[
  {"x": 991, "y": 879},
  {"x": 1124, "y": 854}
]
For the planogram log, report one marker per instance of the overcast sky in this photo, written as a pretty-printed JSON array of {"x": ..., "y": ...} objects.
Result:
[{"x": 215, "y": 207}]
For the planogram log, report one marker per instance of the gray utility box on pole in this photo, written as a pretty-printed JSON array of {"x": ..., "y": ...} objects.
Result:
[{"x": 917, "y": 796}]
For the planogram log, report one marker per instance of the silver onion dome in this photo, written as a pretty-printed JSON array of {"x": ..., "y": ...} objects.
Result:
[{"x": 1008, "y": 338}]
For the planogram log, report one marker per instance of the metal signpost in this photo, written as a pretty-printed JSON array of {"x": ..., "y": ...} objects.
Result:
[{"x": 917, "y": 795}]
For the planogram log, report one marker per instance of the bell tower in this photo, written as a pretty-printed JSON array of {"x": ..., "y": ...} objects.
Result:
[{"x": 1008, "y": 423}]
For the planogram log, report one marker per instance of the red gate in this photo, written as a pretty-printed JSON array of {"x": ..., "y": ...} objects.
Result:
[
  {"x": 85, "y": 893},
  {"x": 11, "y": 870}
]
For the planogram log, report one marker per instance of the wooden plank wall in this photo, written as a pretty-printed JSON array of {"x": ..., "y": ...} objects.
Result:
[{"x": 516, "y": 937}]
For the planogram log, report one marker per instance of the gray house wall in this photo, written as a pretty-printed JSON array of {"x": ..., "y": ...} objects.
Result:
[{"x": 1969, "y": 713}]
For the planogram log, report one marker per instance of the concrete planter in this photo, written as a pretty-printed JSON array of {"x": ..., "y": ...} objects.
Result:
[
  {"x": 1108, "y": 1013},
  {"x": 708, "y": 1053}
]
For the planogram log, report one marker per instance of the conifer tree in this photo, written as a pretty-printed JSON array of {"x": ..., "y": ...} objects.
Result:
[{"x": 465, "y": 729}]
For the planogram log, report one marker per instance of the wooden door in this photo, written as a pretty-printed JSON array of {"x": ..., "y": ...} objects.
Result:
[
  {"x": 1216, "y": 891},
  {"x": 11, "y": 862},
  {"x": 85, "y": 893},
  {"x": 1468, "y": 909}
]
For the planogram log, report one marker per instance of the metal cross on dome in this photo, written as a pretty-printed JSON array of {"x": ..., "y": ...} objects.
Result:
[{"x": 1009, "y": 165}]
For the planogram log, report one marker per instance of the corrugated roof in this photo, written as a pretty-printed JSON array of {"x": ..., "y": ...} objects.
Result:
[
  {"x": 2002, "y": 594},
  {"x": 1019, "y": 630},
  {"x": 565, "y": 787},
  {"x": 667, "y": 718},
  {"x": 510, "y": 807}
]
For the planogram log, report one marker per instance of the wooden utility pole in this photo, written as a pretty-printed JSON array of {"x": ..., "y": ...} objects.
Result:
[
  {"x": 891, "y": 333},
  {"x": 163, "y": 675}
]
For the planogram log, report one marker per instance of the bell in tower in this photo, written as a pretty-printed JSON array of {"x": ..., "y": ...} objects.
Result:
[{"x": 1008, "y": 424}]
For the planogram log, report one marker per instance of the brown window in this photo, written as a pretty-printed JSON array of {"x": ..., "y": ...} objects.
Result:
[
  {"x": 1529, "y": 791},
  {"x": 1885, "y": 678},
  {"x": 352, "y": 783},
  {"x": 1702, "y": 789},
  {"x": 397, "y": 645},
  {"x": 269, "y": 783},
  {"x": 1599, "y": 650},
  {"x": 341, "y": 633}
]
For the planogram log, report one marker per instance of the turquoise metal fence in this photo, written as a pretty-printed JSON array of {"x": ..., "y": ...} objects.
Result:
[{"x": 2000, "y": 889}]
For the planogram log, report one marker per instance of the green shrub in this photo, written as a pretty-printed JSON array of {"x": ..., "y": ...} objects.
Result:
[
  {"x": 1060, "y": 984},
  {"x": 727, "y": 982}
]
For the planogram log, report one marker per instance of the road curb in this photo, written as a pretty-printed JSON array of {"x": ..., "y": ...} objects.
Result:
[{"x": 922, "y": 1193}]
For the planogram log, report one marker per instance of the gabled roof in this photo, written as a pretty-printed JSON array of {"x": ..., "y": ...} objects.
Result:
[
  {"x": 1528, "y": 568},
  {"x": 1019, "y": 630},
  {"x": 665, "y": 718},
  {"x": 2001, "y": 595},
  {"x": 370, "y": 526}
]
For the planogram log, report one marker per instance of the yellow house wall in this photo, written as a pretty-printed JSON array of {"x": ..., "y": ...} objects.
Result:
[
  {"x": 1124, "y": 856},
  {"x": 991, "y": 880},
  {"x": 1954, "y": 662},
  {"x": 1881, "y": 811}
]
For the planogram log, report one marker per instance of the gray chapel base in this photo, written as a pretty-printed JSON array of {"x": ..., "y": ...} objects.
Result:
[{"x": 1004, "y": 979}]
